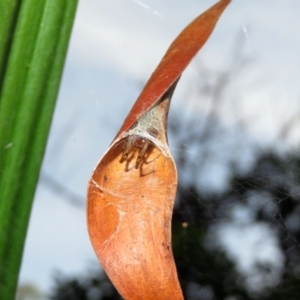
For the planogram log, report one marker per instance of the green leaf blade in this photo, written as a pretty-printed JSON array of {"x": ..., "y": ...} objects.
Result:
[{"x": 29, "y": 91}]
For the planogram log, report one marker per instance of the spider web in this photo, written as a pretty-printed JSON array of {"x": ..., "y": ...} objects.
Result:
[{"x": 236, "y": 227}]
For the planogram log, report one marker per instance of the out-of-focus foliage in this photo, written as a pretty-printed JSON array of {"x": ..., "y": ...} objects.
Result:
[
  {"x": 201, "y": 262},
  {"x": 29, "y": 291},
  {"x": 94, "y": 285},
  {"x": 204, "y": 268}
]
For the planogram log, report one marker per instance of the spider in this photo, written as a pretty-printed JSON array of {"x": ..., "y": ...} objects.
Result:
[{"x": 138, "y": 142}]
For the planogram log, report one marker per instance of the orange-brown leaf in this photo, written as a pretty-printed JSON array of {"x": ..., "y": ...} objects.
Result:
[
  {"x": 174, "y": 62},
  {"x": 132, "y": 189},
  {"x": 130, "y": 211}
]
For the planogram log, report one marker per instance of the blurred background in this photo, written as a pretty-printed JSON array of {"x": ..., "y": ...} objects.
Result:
[{"x": 233, "y": 130}]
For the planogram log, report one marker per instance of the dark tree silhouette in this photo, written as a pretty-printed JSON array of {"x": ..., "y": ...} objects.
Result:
[{"x": 205, "y": 271}]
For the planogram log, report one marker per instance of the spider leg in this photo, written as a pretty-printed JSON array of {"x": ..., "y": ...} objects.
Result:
[
  {"x": 128, "y": 147},
  {"x": 142, "y": 153}
]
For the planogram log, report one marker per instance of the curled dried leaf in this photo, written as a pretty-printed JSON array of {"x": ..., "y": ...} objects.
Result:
[
  {"x": 130, "y": 202},
  {"x": 132, "y": 189}
]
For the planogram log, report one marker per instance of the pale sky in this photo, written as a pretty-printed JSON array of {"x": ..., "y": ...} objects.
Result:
[{"x": 115, "y": 46}]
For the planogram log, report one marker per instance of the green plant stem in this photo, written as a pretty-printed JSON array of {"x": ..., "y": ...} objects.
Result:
[{"x": 29, "y": 90}]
